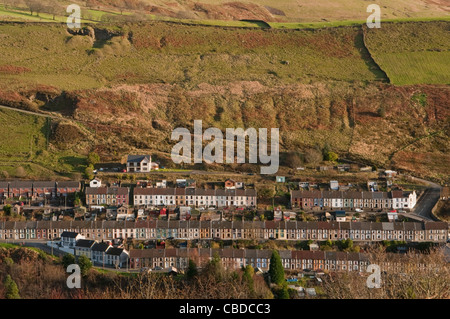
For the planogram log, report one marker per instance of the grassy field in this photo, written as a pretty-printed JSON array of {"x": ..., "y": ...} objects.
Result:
[
  {"x": 202, "y": 54},
  {"x": 298, "y": 16},
  {"x": 344, "y": 23},
  {"x": 419, "y": 54},
  {"x": 45, "y": 52},
  {"x": 21, "y": 14},
  {"x": 172, "y": 53},
  {"x": 26, "y": 147},
  {"x": 417, "y": 67},
  {"x": 28, "y": 137}
]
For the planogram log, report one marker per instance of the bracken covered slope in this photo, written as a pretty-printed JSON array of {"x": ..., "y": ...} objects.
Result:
[{"x": 123, "y": 88}]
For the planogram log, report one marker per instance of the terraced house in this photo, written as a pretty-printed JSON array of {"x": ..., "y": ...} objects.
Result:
[
  {"x": 110, "y": 196},
  {"x": 186, "y": 230},
  {"x": 353, "y": 199},
  {"x": 197, "y": 197}
]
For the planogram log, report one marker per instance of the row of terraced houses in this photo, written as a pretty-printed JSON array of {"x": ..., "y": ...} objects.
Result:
[
  {"x": 146, "y": 197},
  {"x": 295, "y": 260},
  {"x": 37, "y": 189},
  {"x": 195, "y": 196},
  {"x": 225, "y": 230},
  {"x": 257, "y": 258},
  {"x": 353, "y": 199}
]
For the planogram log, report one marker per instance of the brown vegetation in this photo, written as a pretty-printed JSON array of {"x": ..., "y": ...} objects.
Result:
[
  {"x": 12, "y": 69},
  {"x": 432, "y": 281},
  {"x": 37, "y": 276},
  {"x": 443, "y": 210},
  {"x": 342, "y": 115},
  {"x": 66, "y": 135}
]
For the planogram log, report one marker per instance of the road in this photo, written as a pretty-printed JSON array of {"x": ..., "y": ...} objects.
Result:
[
  {"x": 428, "y": 199},
  {"x": 41, "y": 244},
  {"x": 426, "y": 203},
  {"x": 184, "y": 172},
  {"x": 28, "y": 112}
]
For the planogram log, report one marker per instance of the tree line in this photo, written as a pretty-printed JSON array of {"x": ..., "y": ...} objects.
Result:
[{"x": 36, "y": 7}]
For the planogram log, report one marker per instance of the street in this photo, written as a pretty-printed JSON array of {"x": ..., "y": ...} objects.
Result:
[{"x": 426, "y": 203}]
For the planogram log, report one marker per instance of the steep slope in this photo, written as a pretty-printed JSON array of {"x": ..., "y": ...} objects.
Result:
[
  {"x": 407, "y": 134},
  {"x": 124, "y": 88}
]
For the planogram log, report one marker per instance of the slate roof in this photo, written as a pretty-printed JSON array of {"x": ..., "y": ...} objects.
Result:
[
  {"x": 84, "y": 243},
  {"x": 100, "y": 247},
  {"x": 69, "y": 234},
  {"x": 137, "y": 158},
  {"x": 114, "y": 251}
]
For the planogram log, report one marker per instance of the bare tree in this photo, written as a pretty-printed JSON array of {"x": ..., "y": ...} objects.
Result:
[
  {"x": 293, "y": 160},
  {"x": 34, "y": 6},
  {"x": 53, "y": 8},
  {"x": 313, "y": 156},
  {"x": 409, "y": 276}
]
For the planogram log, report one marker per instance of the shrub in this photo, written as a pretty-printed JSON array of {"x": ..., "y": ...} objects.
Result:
[
  {"x": 381, "y": 112},
  {"x": 85, "y": 264},
  {"x": 93, "y": 158},
  {"x": 331, "y": 156},
  {"x": 313, "y": 156},
  {"x": 7, "y": 210},
  {"x": 293, "y": 160},
  {"x": 276, "y": 270},
  {"x": 89, "y": 172},
  {"x": 80, "y": 42},
  {"x": 68, "y": 259},
  {"x": 192, "y": 270},
  {"x": 20, "y": 172},
  {"x": 12, "y": 291},
  {"x": 66, "y": 135}
]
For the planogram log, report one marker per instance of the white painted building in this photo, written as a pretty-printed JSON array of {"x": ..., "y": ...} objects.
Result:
[
  {"x": 95, "y": 183},
  {"x": 139, "y": 163}
]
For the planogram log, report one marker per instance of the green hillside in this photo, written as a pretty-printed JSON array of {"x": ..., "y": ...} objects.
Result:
[
  {"x": 164, "y": 52},
  {"x": 412, "y": 53}
]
